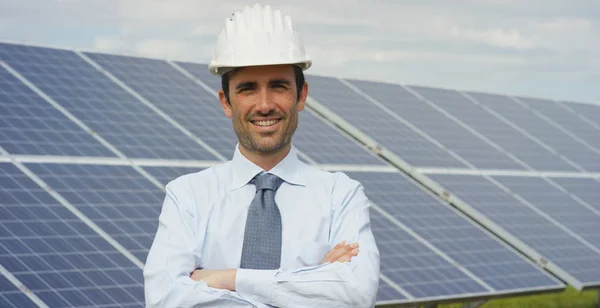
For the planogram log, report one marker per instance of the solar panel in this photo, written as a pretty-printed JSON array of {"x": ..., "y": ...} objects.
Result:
[
  {"x": 589, "y": 111},
  {"x": 101, "y": 104},
  {"x": 569, "y": 120},
  {"x": 416, "y": 268},
  {"x": 30, "y": 125},
  {"x": 176, "y": 95},
  {"x": 542, "y": 130},
  {"x": 555, "y": 244},
  {"x": 494, "y": 263},
  {"x": 10, "y": 296},
  {"x": 55, "y": 254},
  {"x": 437, "y": 125},
  {"x": 378, "y": 124},
  {"x": 200, "y": 71},
  {"x": 581, "y": 219},
  {"x": 166, "y": 174},
  {"x": 325, "y": 145},
  {"x": 496, "y": 130},
  {"x": 388, "y": 293},
  {"x": 117, "y": 198},
  {"x": 430, "y": 251},
  {"x": 320, "y": 141},
  {"x": 587, "y": 190}
]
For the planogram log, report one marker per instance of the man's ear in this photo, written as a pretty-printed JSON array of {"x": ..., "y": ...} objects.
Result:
[
  {"x": 302, "y": 98},
  {"x": 225, "y": 104}
]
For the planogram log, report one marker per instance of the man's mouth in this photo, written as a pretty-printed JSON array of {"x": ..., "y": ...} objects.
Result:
[{"x": 265, "y": 123}]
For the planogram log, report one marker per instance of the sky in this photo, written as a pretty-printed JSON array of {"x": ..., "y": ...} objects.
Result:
[{"x": 536, "y": 48}]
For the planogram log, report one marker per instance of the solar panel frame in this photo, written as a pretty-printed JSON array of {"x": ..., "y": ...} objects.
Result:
[
  {"x": 508, "y": 220},
  {"x": 175, "y": 95},
  {"x": 544, "y": 130},
  {"x": 331, "y": 97},
  {"x": 109, "y": 195},
  {"x": 85, "y": 93},
  {"x": 449, "y": 230},
  {"x": 435, "y": 122},
  {"x": 11, "y": 296},
  {"x": 566, "y": 118},
  {"x": 31, "y": 126},
  {"x": 498, "y": 130},
  {"x": 60, "y": 258}
]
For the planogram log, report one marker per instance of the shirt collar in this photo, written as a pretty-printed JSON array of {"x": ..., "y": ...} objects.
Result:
[{"x": 289, "y": 169}]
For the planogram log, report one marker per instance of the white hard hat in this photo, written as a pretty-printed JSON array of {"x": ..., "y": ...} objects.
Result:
[{"x": 258, "y": 36}]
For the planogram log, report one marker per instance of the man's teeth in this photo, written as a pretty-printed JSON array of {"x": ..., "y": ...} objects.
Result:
[{"x": 265, "y": 123}]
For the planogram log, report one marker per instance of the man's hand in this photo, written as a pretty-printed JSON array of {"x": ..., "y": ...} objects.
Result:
[
  {"x": 219, "y": 279},
  {"x": 342, "y": 252}
]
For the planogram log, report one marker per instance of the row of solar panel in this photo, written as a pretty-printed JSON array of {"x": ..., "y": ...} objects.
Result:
[
  {"x": 400, "y": 221},
  {"x": 427, "y": 127},
  {"x": 429, "y": 250}
]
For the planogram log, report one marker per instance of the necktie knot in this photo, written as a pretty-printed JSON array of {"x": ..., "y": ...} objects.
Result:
[{"x": 267, "y": 181}]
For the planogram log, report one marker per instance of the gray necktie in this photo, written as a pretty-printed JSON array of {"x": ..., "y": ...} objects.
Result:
[{"x": 262, "y": 237}]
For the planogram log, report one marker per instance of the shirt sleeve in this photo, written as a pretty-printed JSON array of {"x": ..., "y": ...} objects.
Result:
[
  {"x": 173, "y": 256},
  {"x": 348, "y": 284}
]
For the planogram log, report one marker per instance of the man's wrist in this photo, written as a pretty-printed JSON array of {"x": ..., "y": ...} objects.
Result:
[{"x": 230, "y": 276}]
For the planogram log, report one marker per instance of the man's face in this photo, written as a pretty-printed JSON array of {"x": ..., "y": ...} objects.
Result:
[{"x": 264, "y": 107}]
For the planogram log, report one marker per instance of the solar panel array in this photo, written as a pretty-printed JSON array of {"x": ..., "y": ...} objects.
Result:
[{"x": 474, "y": 195}]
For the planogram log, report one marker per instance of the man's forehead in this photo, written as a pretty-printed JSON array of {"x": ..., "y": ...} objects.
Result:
[{"x": 265, "y": 73}]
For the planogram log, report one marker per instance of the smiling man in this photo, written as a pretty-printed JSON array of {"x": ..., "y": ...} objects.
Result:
[{"x": 263, "y": 229}]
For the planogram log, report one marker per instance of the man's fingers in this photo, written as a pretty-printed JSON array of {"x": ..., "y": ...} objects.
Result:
[
  {"x": 348, "y": 256},
  {"x": 339, "y": 251},
  {"x": 328, "y": 255}
]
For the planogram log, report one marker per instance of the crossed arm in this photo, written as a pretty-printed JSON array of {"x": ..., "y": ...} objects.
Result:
[
  {"x": 225, "y": 279},
  {"x": 345, "y": 278}
]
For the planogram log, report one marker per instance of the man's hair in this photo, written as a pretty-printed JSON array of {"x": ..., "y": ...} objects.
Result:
[{"x": 298, "y": 73}]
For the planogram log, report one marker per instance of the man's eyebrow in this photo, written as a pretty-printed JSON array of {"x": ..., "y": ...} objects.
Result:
[
  {"x": 280, "y": 81},
  {"x": 247, "y": 84}
]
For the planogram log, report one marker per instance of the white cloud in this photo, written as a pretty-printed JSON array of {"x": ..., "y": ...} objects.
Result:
[
  {"x": 109, "y": 44},
  {"x": 511, "y": 38},
  {"x": 162, "y": 48},
  {"x": 438, "y": 38}
]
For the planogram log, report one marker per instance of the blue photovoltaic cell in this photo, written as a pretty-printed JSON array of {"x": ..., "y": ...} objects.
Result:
[
  {"x": 499, "y": 132},
  {"x": 552, "y": 242},
  {"x": 542, "y": 130},
  {"x": 387, "y": 293},
  {"x": 10, "y": 296},
  {"x": 416, "y": 268},
  {"x": 496, "y": 264},
  {"x": 56, "y": 255},
  {"x": 589, "y": 111},
  {"x": 437, "y": 125},
  {"x": 167, "y": 174},
  {"x": 588, "y": 190},
  {"x": 117, "y": 198},
  {"x": 324, "y": 144},
  {"x": 320, "y": 141},
  {"x": 559, "y": 205},
  {"x": 176, "y": 95},
  {"x": 30, "y": 125},
  {"x": 201, "y": 72},
  {"x": 100, "y": 103},
  {"x": 378, "y": 124},
  {"x": 567, "y": 119}
]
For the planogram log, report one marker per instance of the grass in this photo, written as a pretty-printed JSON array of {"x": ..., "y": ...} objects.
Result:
[{"x": 569, "y": 298}]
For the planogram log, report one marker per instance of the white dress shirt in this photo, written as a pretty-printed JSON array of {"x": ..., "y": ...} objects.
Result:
[{"x": 202, "y": 226}]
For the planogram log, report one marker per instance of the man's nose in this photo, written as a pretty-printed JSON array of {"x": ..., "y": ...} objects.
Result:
[{"x": 265, "y": 102}]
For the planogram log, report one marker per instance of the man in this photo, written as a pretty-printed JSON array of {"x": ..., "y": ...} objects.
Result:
[{"x": 263, "y": 229}]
